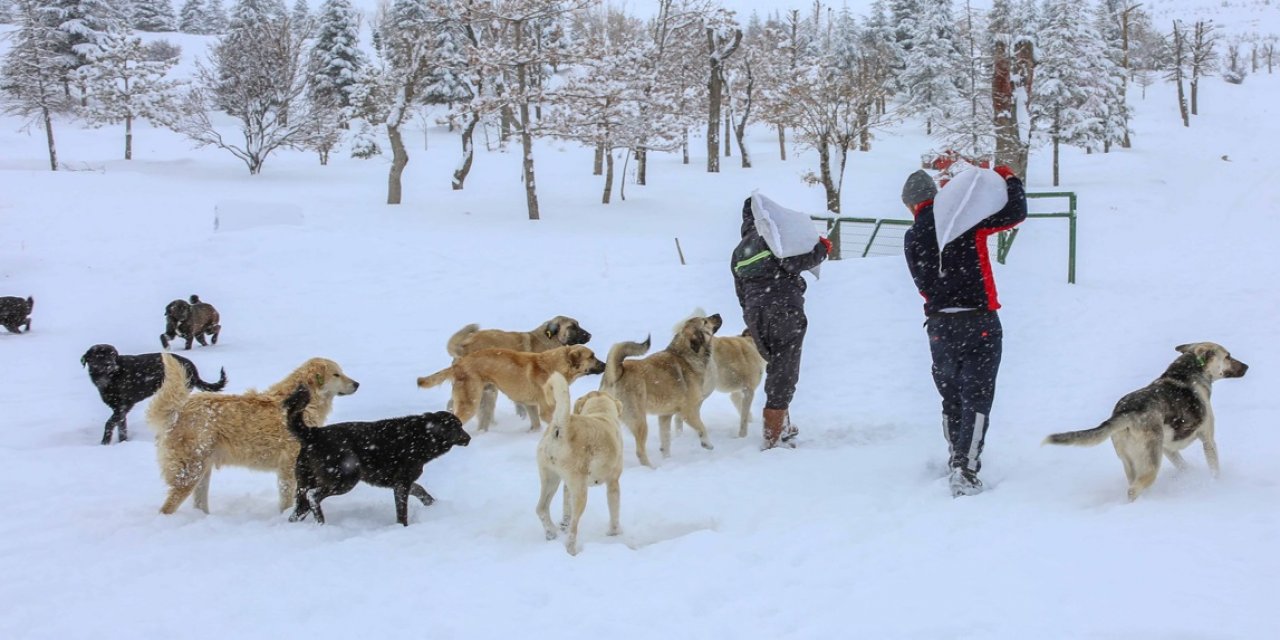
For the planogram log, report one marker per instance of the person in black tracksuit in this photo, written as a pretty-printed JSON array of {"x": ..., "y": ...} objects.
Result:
[
  {"x": 964, "y": 329},
  {"x": 771, "y": 292}
]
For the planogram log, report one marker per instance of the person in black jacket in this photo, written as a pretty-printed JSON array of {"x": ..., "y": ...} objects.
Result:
[
  {"x": 965, "y": 336},
  {"x": 771, "y": 292}
]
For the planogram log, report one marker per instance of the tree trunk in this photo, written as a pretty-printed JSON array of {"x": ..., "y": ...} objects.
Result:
[
  {"x": 824, "y": 168},
  {"x": 399, "y": 158},
  {"x": 48, "y": 132},
  {"x": 740, "y": 132},
  {"x": 782, "y": 142},
  {"x": 608, "y": 177},
  {"x": 128, "y": 137},
  {"x": 1195, "y": 92},
  {"x": 598, "y": 167},
  {"x": 642, "y": 168},
  {"x": 468, "y": 153},
  {"x": 1182, "y": 102},
  {"x": 526, "y": 132},
  {"x": 1055, "y": 160},
  {"x": 713, "y": 119},
  {"x": 1124, "y": 64},
  {"x": 684, "y": 146},
  {"x": 728, "y": 135}
]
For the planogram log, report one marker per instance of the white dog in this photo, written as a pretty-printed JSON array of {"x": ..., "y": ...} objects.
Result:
[{"x": 582, "y": 448}]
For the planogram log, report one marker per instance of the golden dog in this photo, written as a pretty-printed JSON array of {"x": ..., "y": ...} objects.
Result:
[
  {"x": 582, "y": 448},
  {"x": 665, "y": 384},
  {"x": 560, "y": 331},
  {"x": 197, "y": 432},
  {"x": 519, "y": 375}
]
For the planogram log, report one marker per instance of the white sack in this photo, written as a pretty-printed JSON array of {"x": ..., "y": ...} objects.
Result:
[
  {"x": 787, "y": 232},
  {"x": 969, "y": 198}
]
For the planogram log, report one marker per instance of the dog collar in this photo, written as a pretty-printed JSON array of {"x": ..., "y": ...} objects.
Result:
[{"x": 1200, "y": 361}]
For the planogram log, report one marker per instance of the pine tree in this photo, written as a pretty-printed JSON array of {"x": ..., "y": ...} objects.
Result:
[
  {"x": 336, "y": 58},
  {"x": 154, "y": 15},
  {"x": 301, "y": 16},
  {"x": 1074, "y": 80},
  {"x": 88, "y": 24},
  {"x": 192, "y": 18},
  {"x": 33, "y": 71},
  {"x": 215, "y": 17},
  {"x": 124, "y": 86},
  {"x": 8, "y": 12},
  {"x": 930, "y": 64},
  {"x": 444, "y": 84},
  {"x": 970, "y": 129}
]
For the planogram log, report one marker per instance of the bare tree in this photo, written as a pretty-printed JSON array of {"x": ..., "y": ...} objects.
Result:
[
  {"x": 723, "y": 38},
  {"x": 31, "y": 80},
  {"x": 1234, "y": 69},
  {"x": 1178, "y": 59},
  {"x": 258, "y": 75},
  {"x": 1203, "y": 55}
]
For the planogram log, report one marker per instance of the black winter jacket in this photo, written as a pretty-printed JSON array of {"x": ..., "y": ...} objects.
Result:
[
  {"x": 962, "y": 279},
  {"x": 760, "y": 278}
]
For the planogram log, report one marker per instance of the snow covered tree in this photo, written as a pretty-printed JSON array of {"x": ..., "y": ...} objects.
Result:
[
  {"x": 1234, "y": 67},
  {"x": 930, "y": 65},
  {"x": 1202, "y": 57},
  {"x": 444, "y": 83},
  {"x": 257, "y": 74},
  {"x": 970, "y": 129},
  {"x": 723, "y": 39},
  {"x": 301, "y": 15},
  {"x": 215, "y": 17},
  {"x": 154, "y": 15},
  {"x": 124, "y": 86},
  {"x": 88, "y": 25},
  {"x": 405, "y": 45},
  {"x": 336, "y": 58},
  {"x": 192, "y": 18},
  {"x": 1010, "y": 28},
  {"x": 1075, "y": 80},
  {"x": 33, "y": 71},
  {"x": 8, "y": 12},
  {"x": 1178, "y": 58}
]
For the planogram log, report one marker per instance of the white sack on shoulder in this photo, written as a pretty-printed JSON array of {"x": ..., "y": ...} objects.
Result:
[
  {"x": 969, "y": 198},
  {"x": 787, "y": 232}
]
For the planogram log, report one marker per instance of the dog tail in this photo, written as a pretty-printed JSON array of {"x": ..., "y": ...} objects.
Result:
[
  {"x": 618, "y": 353},
  {"x": 210, "y": 386},
  {"x": 436, "y": 379},
  {"x": 294, "y": 406},
  {"x": 456, "y": 340},
  {"x": 173, "y": 393},
  {"x": 1091, "y": 437},
  {"x": 557, "y": 390}
]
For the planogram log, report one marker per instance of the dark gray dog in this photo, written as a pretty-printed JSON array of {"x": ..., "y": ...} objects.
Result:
[
  {"x": 124, "y": 381},
  {"x": 1164, "y": 416},
  {"x": 192, "y": 320},
  {"x": 15, "y": 313}
]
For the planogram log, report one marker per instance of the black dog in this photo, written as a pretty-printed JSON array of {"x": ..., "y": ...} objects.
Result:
[
  {"x": 15, "y": 312},
  {"x": 191, "y": 321},
  {"x": 124, "y": 381},
  {"x": 385, "y": 453}
]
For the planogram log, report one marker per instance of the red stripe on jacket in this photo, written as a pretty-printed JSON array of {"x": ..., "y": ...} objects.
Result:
[{"x": 984, "y": 262}]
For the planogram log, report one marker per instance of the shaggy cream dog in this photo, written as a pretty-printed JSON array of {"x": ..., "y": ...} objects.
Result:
[{"x": 196, "y": 433}]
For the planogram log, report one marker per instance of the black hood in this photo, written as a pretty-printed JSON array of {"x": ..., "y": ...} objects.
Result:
[{"x": 748, "y": 218}]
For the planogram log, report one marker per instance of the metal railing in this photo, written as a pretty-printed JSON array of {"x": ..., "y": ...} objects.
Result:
[{"x": 1004, "y": 240}]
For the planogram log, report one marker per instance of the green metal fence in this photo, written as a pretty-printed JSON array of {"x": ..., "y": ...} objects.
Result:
[{"x": 859, "y": 235}]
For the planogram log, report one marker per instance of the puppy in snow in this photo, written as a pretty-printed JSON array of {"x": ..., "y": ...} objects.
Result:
[
  {"x": 582, "y": 449},
  {"x": 192, "y": 321},
  {"x": 15, "y": 313},
  {"x": 1164, "y": 416}
]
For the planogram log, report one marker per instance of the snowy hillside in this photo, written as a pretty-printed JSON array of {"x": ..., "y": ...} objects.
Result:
[{"x": 853, "y": 534}]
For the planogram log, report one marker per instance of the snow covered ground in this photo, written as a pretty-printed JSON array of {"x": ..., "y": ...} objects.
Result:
[{"x": 851, "y": 535}]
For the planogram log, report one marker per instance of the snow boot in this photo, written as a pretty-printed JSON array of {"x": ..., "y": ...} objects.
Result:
[
  {"x": 964, "y": 483},
  {"x": 775, "y": 424}
]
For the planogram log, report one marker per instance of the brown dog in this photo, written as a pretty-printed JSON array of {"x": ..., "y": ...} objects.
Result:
[
  {"x": 192, "y": 320},
  {"x": 197, "y": 432},
  {"x": 517, "y": 374},
  {"x": 668, "y": 383},
  {"x": 15, "y": 313},
  {"x": 736, "y": 369},
  {"x": 560, "y": 331}
]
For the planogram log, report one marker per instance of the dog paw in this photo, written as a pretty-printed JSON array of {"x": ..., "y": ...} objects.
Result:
[
  {"x": 708, "y": 446},
  {"x": 552, "y": 534},
  {"x": 614, "y": 531},
  {"x": 572, "y": 547}
]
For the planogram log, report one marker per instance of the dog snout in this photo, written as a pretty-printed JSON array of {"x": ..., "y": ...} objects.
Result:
[
  {"x": 596, "y": 367},
  {"x": 1239, "y": 369},
  {"x": 578, "y": 335}
]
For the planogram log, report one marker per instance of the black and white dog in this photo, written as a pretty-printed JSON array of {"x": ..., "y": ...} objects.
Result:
[
  {"x": 1164, "y": 416},
  {"x": 385, "y": 453},
  {"x": 124, "y": 381}
]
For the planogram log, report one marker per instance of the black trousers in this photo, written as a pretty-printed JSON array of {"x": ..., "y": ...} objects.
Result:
[
  {"x": 778, "y": 331},
  {"x": 966, "y": 350}
]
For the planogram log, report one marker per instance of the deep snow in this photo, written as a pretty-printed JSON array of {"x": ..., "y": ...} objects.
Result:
[{"x": 852, "y": 534}]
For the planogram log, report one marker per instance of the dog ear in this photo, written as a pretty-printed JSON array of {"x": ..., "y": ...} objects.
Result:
[
  {"x": 716, "y": 322},
  {"x": 1184, "y": 348},
  {"x": 553, "y": 328}
]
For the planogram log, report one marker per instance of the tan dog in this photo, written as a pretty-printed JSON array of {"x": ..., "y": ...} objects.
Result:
[
  {"x": 736, "y": 369},
  {"x": 560, "y": 331},
  {"x": 519, "y": 375},
  {"x": 667, "y": 383},
  {"x": 583, "y": 449},
  {"x": 197, "y": 432},
  {"x": 1165, "y": 416}
]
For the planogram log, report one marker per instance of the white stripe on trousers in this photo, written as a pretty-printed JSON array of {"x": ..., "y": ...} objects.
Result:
[{"x": 979, "y": 427}]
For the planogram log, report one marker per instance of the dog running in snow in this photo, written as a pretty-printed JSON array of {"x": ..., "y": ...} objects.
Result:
[
  {"x": 123, "y": 381},
  {"x": 1165, "y": 416},
  {"x": 15, "y": 313}
]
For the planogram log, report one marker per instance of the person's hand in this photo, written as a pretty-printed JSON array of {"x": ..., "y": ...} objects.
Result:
[
  {"x": 826, "y": 243},
  {"x": 1005, "y": 172}
]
